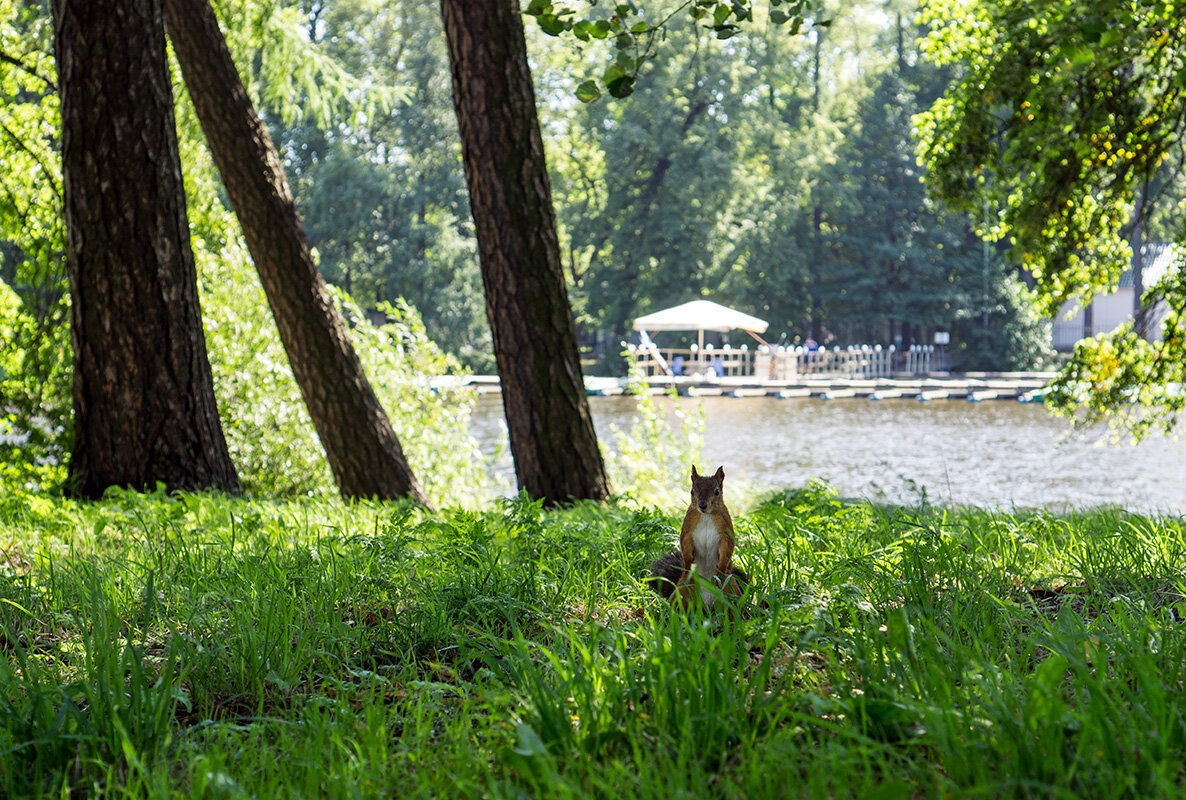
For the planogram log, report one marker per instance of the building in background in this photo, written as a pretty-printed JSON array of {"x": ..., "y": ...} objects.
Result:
[{"x": 1106, "y": 312}]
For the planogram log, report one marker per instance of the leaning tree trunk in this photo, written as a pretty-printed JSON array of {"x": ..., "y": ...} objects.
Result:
[
  {"x": 144, "y": 409},
  {"x": 551, "y": 430},
  {"x": 360, "y": 444}
]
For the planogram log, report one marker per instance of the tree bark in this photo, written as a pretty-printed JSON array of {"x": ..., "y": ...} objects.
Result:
[
  {"x": 551, "y": 430},
  {"x": 1136, "y": 241},
  {"x": 360, "y": 444},
  {"x": 144, "y": 408}
]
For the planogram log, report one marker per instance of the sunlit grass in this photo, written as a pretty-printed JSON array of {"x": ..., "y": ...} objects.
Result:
[{"x": 210, "y": 647}]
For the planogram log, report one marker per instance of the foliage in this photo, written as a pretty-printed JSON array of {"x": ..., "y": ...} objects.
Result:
[
  {"x": 429, "y": 409},
  {"x": 1001, "y": 331},
  {"x": 35, "y": 373},
  {"x": 268, "y": 430},
  {"x": 289, "y": 74},
  {"x": 1126, "y": 380},
  {"x": 382, "y": 195},
  {"x": 708, "y": 184},
  {"x": 1067, "y": 114},
  {"x": 29, "y": 442},
  {"x": 775, "y": 174},
  {"x": 267, "y": 426},
  {"x": 643, "y": 211},
  {"x": 668, "y": 197},
  {"x": 635, "y": 34},
  {"x": 271, "y": 437},
  {"x": 1057, "y": 119},
  {"x": 894, "y": 259},
  {"x": 651, "y": 461},
  {"x": 204, "y": 646}
]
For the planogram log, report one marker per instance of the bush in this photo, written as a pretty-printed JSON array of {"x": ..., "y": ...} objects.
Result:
[
  {"x": 650, "y": 462},
  {"x": 268, "y": 429}
]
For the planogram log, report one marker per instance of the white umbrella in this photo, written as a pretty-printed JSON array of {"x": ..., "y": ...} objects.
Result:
[{"x": 699, "y": 315}]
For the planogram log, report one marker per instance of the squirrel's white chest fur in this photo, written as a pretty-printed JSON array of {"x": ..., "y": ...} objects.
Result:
[{"x": 706, "y": 543}]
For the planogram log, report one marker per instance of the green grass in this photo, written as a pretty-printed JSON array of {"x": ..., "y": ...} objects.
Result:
[{"x": 209, "y": 647}]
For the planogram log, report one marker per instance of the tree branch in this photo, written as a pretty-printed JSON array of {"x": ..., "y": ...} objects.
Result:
[
  {"x": 23, "y": 67},
  {"x": 20, "y": 143}
]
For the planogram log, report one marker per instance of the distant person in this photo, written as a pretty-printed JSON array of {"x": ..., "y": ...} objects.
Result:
[
  {"x": 677, "y": 365},
  {"x": 810, "y": 350}
]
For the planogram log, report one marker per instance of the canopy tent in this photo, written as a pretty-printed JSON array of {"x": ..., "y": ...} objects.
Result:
[{"x": 700, "y": 316}]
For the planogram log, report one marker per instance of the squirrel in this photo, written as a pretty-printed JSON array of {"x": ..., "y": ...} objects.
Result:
[{"x": 706, "y": 547}]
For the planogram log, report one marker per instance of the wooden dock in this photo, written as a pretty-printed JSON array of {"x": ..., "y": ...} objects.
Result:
[{"x": 971, "y": 387}]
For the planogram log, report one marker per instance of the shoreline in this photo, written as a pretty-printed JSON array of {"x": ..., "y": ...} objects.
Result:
[{"x": 970, "y": 386}]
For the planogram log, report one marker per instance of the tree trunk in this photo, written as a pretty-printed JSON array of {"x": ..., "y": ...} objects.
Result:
[
  {"x": 144, "y": 408},
  {"x": 1136, "y": 241},
  {"x": 551, "y": 430},
  {"x": 360, "y": 444},
  {"x": 817, "y": 211}
]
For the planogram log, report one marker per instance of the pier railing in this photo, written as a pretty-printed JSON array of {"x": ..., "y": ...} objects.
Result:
[
  {"x": 722, "y": 362},
  {"x": 788, "y": 363}
]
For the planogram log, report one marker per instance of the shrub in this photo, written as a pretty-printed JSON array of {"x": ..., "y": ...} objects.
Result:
[{"x": 268, "y": 429}]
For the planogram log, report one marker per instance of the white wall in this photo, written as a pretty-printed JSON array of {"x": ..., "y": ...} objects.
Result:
[{"x": 1108, "y": 312}]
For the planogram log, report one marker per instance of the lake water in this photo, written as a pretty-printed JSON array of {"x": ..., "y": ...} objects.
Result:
[{"x": 995, "y": 453}]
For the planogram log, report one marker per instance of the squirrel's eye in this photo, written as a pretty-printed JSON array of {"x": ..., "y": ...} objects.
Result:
[{"x": 718, "y": 491}]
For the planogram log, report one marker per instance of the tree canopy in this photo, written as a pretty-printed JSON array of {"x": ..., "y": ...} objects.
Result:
[{"x": 1060, "y": 116}]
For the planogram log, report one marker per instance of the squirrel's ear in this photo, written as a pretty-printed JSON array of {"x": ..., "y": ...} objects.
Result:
[
  {"x": 720, "y": 473},
  {"x": 694, "y": 475}
]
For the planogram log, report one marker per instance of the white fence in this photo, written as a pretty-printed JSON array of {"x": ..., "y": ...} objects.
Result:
[
  {"x": 721, "y": 362},
  {"x": 791, "y": 363}
]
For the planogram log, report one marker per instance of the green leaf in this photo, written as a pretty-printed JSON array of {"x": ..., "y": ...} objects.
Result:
[
  {"x": 1092, "y": 31},
  {"x": 601, "y": 29},
  {"x": 618, "y": 81},
  {"x": 720, "y": 14},
  {"x": 530, "y": 743},
  {"x": 588, "y": 91},
  {"x": 530, "y": 758},
  {"x": 613, "y": 73},
  {"x": 583, "y": 30},
  {"x": 622, "y": 87},
  {"x": 1079, "y": 56},
  {"x": 1051, "y": 673},
  {"x": 552, "y": 24},
  {"x": 639, "y": 27}
]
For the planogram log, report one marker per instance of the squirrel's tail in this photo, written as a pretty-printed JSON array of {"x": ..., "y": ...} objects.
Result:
[
  {"x": 667, "y": 570},
  {"x": 665, "y": 573}
]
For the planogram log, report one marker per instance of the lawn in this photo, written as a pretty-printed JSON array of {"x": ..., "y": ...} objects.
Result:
[{"x": 200, "y": 646}]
